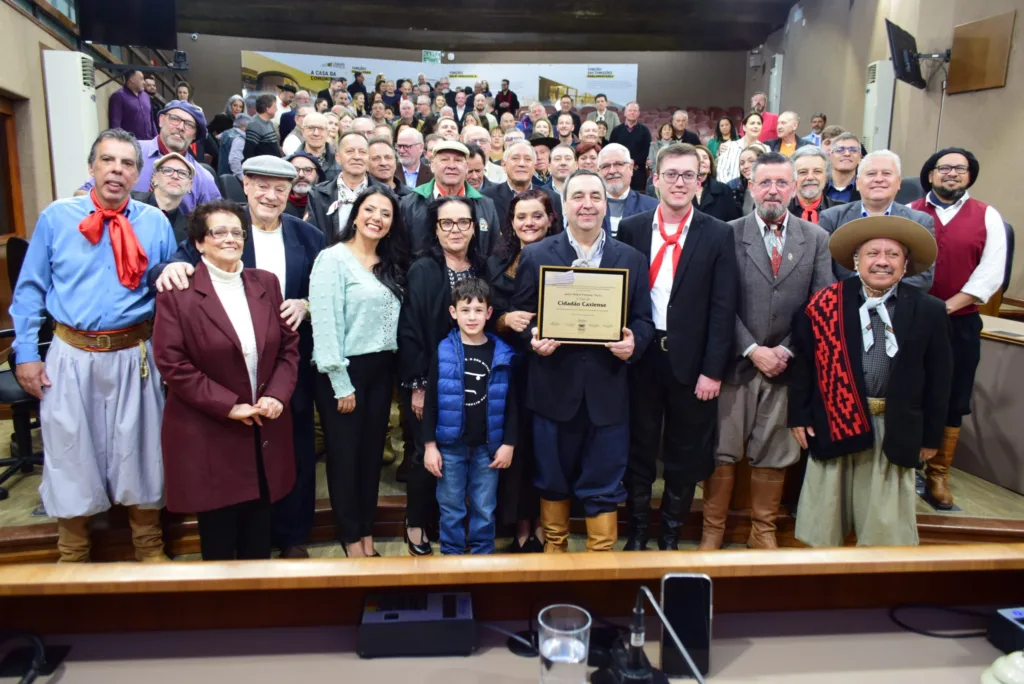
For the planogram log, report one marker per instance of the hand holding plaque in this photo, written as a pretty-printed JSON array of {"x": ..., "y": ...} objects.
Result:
[{"x": 582, "y": 305}]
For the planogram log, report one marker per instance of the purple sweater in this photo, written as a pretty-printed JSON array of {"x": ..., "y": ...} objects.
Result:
[{"x": 133, "y": 113}]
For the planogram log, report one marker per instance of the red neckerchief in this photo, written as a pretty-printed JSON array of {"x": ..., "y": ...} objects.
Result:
[
  {"x": 129, "y": 257},
  {"x": 460, "y": 193},
  {"x": 668, "y": 240},
  {"x": 810, "y": 210},
  {"x": 160, "y": 146},
  {"x": 298, "y": 200}
]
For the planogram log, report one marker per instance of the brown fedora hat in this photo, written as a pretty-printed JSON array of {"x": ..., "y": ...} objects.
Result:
[{"x": 848, "y": 237}]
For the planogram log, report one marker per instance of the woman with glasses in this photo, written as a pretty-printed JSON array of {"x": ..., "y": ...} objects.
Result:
[
  {"x": 355, "y": 293},
  {"x": 452, "y": 254},
  {"x": 713, "y": 197},
  {"x": 230, "y": 363}
]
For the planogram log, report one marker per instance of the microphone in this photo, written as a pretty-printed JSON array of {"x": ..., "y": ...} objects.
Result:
[{"x": 629, "y": 664}]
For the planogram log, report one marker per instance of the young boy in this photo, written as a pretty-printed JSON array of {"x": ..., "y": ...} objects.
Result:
[{"x": 469, "y": 421}]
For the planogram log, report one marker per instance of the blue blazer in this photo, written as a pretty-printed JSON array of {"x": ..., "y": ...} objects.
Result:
[
  {"x": 636, "y": 203},
  {"x": 302, "y": 243}
]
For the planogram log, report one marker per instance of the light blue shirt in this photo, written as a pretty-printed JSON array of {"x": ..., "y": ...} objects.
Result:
[
  {"x": 814, "y": 139},
  {"x": 864, "y": 212},
  {"x": 412, "y": 178},
  {"x": 352, "y": 312},
  {"x": 76, "y": 281}
]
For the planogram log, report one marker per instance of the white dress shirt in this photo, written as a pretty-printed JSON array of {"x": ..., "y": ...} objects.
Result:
[
  {"x": 495, "y": 173},
  {"x": 268, "y": 247},
  {"x": 987, "y": 278},
  {"x": 661, "y": 289}
]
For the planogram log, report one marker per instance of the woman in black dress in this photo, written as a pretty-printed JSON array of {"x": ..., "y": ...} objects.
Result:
[{"x": 531, "y": 218}]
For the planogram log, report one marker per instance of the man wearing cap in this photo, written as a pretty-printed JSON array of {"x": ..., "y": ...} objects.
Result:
[
  {"x": 878, "y": 182},
  {"x": 969, "y": 268},
  {"x": 869, "y": 386},
  {"x": 811, "y": 165},
  {"x": 181, "y": 123},
  {"x": 450, "y": 167},
  {"x": 331, "y": 202},
  {"x": 287, "y": 247},
  {"x": 520, "y": 161},
  {"x": 308, "y": 174},
  {"x": 542, "y": 172},
  {"x": 285, "y": 96},
  {"x": 172, "y": 179},
  {"x": 101, "y": 398}
]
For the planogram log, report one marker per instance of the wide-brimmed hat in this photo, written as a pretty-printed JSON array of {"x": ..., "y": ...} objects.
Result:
[
  {"x": 538, "y": 140},
  {"x": 844, "y": 242}
]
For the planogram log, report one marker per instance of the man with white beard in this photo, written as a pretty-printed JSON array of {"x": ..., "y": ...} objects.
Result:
[
  {"x": 615, "y": 165},
  {"x": 309, "y": 174},
  {"x": 811, "y": 165}
]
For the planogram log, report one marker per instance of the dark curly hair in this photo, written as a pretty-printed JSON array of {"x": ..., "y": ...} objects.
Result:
[
  {"x": 474, "y": 255},
  {"x": 393, "y": 248},
  {"x": 197, "y": 222},
  {"x": 509, "y": 246}
]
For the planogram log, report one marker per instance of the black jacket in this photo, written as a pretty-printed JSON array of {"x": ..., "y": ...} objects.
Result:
[
  {"x": 689, "y": 137},
  {"x": 919, "y": 384},
  {"x": 321, "y": 197},
  {"x": 178, "y": 219},
  {"x": 423, "y": 320},
  {"x": 796, "y": 210},
  {"x": 638, "y": 142},
  {"x": 574, "y": 373},
  {"x": 576, "y": 123},
  {"x": 501, "y": 194},
  {"x": 718, "y": 201},
  {"x": 414, "y": 214},
  {"x": 701, "y": 318},
  {"x": 775, "y": 144}
]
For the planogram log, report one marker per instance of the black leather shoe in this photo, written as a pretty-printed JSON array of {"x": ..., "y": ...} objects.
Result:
[
  {"x": 639, "y": 506},
  {"x": 675, "y": 509},
  {"x": 532, "y": 545},
  {"x": 423, "y": 548}
]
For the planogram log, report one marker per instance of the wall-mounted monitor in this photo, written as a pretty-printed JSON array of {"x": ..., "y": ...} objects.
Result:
[{"x": 905, "y": 61}]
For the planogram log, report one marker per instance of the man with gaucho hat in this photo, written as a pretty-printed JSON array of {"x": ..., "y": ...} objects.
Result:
[
  {"x": 870, "y": 386},
  {"x": 969, "y": 269}
]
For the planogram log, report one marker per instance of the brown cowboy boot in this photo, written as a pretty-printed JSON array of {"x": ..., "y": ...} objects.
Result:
[
  {"x": 602, "y": 531},
  {"x": 554, "y": 520},
  {"x": 717, "y": 494},
  {"x": 937, "y": 470},
  {"x": 147, "y": 535},
  {"x": 765, "y": 495},
  {"x": 73, "y": 539}
]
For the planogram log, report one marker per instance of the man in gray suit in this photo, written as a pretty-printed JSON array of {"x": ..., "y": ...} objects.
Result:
[
  {"x": 602, "y": 113},
  {"x": 878, "y": 181},
  {"x": 783, "y": 260}
]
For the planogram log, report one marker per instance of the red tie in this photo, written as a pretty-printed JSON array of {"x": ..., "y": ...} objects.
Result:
[
  {"x": 776, "y": 251},
  {"x": 129, "y": 257},
  {"x": 668, "y": 240}
]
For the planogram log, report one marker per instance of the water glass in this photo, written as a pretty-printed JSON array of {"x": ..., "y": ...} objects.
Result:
[{"x": 564, "y": 638}]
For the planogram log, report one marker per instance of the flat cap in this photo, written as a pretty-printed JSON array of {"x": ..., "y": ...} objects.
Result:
[
  {"x": 174, "y": 155},
  {"x": 270, "y": 166},
  {"x": 451, "y": 146}
]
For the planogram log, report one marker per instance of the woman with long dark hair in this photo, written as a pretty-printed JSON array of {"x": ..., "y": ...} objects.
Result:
[
  {"x": 729, "y": 154},
  {"x": 531, "y": 218},
  {"x": 725, "y": 131},
  {"x": 355, "y": 294},
  {"x": 452, "y": 254},
  {"x": 713, "y": 197}
]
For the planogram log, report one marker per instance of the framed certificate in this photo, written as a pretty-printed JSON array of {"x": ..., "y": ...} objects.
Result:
[{"x": 582, "y": 305}]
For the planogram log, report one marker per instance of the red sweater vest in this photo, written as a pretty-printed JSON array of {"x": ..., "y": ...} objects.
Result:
[{"x": 961, "y": 242}]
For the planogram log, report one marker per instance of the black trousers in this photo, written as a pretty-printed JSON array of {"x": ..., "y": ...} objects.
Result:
[
  {"x": 355, "y": 442},
  {"x": 517, "y": 497},
  {"x": 240, "y": 531},
  {"x": 293, "y": 514},
  {"x": 421, "y": 508},
  {"x": 664, "y": 412},
  {"x": 965, "y": 336}
]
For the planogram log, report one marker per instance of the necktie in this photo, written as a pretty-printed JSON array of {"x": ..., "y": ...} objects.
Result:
[
  {"x": 776, "y": 238},
  {"x": 672, "y": 240},
  {"x": 129, "y": 257}
]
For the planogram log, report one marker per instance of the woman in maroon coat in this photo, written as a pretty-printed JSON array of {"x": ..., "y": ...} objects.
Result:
[{"x": 230, "y": 364}]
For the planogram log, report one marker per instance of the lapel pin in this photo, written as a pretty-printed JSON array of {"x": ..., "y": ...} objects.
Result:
[{"x": 790, "y": 256}]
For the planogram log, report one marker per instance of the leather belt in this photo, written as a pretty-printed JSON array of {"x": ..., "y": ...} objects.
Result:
[
  {"x": 876, "y": 407},
  {"x": 112, "y": 340}
]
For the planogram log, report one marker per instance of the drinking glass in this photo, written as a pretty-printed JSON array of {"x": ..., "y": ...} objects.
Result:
[{"x": 564, "y": 638}]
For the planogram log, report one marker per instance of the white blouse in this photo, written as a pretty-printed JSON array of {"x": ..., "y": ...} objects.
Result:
[{"x": 231, "y": 292}]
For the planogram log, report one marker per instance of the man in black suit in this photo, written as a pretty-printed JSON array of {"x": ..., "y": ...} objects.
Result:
[
  {"x": 579, "y": 393},
  {"x": 520, "y": 164},
  {"x": 675, "y": 383}
]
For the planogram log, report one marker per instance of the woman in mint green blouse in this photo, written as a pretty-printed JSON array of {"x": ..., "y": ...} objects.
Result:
[{"x": 355, "y": 294}]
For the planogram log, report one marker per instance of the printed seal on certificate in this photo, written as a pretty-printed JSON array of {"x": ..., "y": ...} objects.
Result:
[{"x": 582, "y": 305}]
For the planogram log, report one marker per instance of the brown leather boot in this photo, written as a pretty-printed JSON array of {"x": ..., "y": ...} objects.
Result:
[
  {"x": 554, "y": 519},
  {"x": 765, "y": 495},
  {"x": 147, "y": 535},
  {"x": 73, "y": 539},
  {"x": 937, "y": 470},
  {"x": 717, "y": 494},
  {"x": 602, "y": 531}
]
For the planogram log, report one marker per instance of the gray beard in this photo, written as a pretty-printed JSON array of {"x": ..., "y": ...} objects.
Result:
[
  {"x": 770, "y": 215},
  {"x": 815, "y": 193},
  {"x": 298, "y": 190}
]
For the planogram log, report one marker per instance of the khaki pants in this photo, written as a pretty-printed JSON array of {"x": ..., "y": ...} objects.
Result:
[
  {"x": 862, "y": 492},
  {"x": 752, "y": 422}
]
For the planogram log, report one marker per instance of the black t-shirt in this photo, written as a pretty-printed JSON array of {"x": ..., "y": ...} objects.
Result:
[{"x": 476, "y": 376}]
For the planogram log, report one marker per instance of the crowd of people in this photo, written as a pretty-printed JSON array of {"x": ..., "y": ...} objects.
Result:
[{"x": 389, "y": 250}]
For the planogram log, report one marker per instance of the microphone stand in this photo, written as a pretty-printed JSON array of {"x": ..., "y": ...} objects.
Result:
[{"x": 630, "y": 665}]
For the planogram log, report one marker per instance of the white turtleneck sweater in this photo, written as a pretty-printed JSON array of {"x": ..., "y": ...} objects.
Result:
[{"x": 231, "y": 293}]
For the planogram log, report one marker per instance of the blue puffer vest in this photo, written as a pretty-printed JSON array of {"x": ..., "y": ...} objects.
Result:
[{"x": 451, "y": 362}]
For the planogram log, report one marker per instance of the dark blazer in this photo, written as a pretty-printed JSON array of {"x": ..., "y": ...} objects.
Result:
[
  {"x": 423, "y": 320},
  {"x": 636, "y": 203},
  {"x": 826, "y": 203},
  {"x": 179, "y": 220},
  {"x": 209, "y": 459},
  {"x": 701, "y": 318},
  {"x": 919, "y": 383},
  {"x": 576, "y": 122},
  {"x": 775, "y": 144},
  {"x": 501, "y": 194},
  {"x": 302, "y": 244},
  {"x": 689, "y": 137},
  {"x": 321, "y": 197},
  {"x": 718, "y": 201},
  {"x": 559, "y": 383},
  {"x": 423, "y": 176}
]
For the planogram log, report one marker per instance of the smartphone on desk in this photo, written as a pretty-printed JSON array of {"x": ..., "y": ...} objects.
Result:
[{"x": 686, "y": 602}]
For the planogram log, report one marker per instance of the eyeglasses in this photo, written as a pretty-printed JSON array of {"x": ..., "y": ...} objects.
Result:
[
  {"x": 171, "y": 172},
  {"x": 314, "y": 129},
  {"x": 221, "y": 234},
  {"x": 688, "y": 177},
  {"x": 618, "y": 165},
  {"x": 946, "y": 169},
  {"x": 768, "y": 183},
  {"x": 402, "y": 146},
  {"x": 178, "y": 121},
  {"x": 308, "y": 171},
  {"x": 448, "y": 225},
  {"x": 846, "y": 150}
]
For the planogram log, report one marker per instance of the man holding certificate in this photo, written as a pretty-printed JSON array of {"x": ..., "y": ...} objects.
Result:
[
  {"x": 674, "y": 386},
  {"x": 593, "y": 307}
]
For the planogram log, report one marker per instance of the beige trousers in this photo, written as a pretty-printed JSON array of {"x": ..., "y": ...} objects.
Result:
[{"x": 752, "y": 422}]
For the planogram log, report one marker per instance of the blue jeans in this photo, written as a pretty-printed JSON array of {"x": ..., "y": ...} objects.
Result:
[{"x": 466, "y": 473}]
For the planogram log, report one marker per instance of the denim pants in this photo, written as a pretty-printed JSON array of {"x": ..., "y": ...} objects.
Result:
[{"x": 466, "y": 473}]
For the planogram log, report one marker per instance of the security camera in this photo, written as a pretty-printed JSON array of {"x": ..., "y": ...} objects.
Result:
[{"x": 195, "y": 36}]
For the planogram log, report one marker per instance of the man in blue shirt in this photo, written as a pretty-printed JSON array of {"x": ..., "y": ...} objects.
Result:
[
  {"x": 818, "y": 123},
  {"x": 100, "y": 413}
]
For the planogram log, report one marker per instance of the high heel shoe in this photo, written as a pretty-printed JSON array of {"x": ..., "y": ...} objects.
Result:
[{"x": 421, "y": 549}]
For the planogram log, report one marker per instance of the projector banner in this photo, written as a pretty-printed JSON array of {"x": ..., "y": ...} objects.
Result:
[{"x": 546, "y": 82}]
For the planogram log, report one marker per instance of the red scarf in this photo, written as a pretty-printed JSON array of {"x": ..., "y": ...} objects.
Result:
[
  {"x": 460, "y": 193},
  {"x": 130, "y": 258},
  {"x": 164, "y": 150},
  {"x": 298, "y": 200},
  {"x": 810, "y": 210},
  {"x": 668, "y": 240}
]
